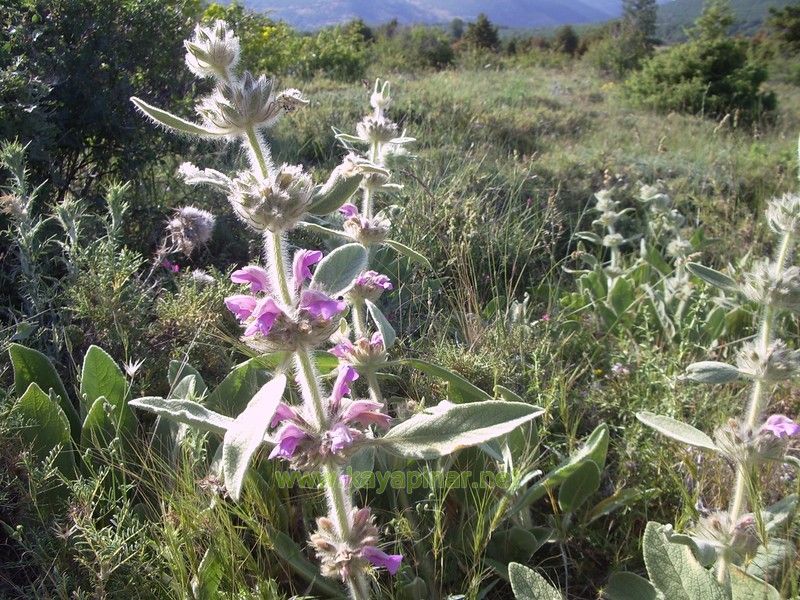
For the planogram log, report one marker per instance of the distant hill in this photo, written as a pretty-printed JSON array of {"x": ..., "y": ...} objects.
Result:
[
  {"x": 675, "y": 16},
  {"x": 313, "y": 14}
]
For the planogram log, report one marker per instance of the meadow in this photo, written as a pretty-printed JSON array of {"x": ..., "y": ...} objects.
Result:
[{"x": 512, "y": 300}]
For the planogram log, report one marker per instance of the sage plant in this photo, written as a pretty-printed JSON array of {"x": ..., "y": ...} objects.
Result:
[
  {"x": 730, "y": 537},
  {"x": 289, "y": 311}
]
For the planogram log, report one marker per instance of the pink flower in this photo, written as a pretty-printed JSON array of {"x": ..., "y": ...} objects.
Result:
[
  {"x": 289, "y": 437},
  {"x": 348, "y": 210},
  {"x": 365, "y": 413},
  {"x": 320, "y": 305},
  {"x": 284, "y": 412},
  {"x": 303, "y": 259},
  {"x": 264, "y": 315},
  {"x": 373, "y": 279},
  {"x": 170, "y": 266},
  {"x": 257, "y": 277},
  {"x": 545, "y": 317},
  {"x": 781, "y": 426},
  {"x": 342, "y": 349},
  {"x": 341, "y": 437},
  {"x": 379, "y": 558},
  {"x": 241, "y": 305},
  {"x": 341, "y": 388}
]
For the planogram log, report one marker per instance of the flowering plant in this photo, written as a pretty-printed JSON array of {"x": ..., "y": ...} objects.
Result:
[{"x": 294, "y": 311}]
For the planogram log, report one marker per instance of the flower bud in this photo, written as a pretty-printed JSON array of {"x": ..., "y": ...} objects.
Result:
[
  {"x": 376, "y": 130},
  {"x": 764, "y": 285},
  {"x": 613, "y": 240},
  {"x": 274, "y": 204},
  {"x": 213, "y": 51},
  {"x": 369, "y": 285},
  {"x": 363, "y": 353},
  {"x": 380, "y": 99},
  {"x": 364, "y": 230},
  {"x": 774, "y": 364}
]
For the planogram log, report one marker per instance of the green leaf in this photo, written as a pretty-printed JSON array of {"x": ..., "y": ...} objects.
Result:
[
  {"x": 677, "y": 430},
  {"x": 778, "y": 514},
  {"x": 621, "y": 296},
  {"x": 629, "y": 586},
  {"x": 772, "y": 560},
  {"x": 100, "y": 376},
  {"x": 673, "y": 569},
  {"x": 167, "y": 433},
  {"x": 747, "y": 587},
  {"x": 712, "y": 277},
  {"x": 179, "y": 370},
  {"x": 620, "y": 499},
  {"x": 185, "y": 411},
  {"x": 527, "y": 584},
  {"x": 170, "y": 121},
  {"x": 246, "y": 434},
  {"x": 234, "y": 392},
  {"x": 319, "y": 229},
  {"x": 44, "y": 426},
  {"x": 336, "y": 272},
  {"x": 288, "y": 551},
  {"x": 336, "y": 191},
  {"x": 106, "y": 421},
  {"x": 711, "y": 371},
  {"x": 594, "y": 449},
  {"x": 385, "y": 329},
  {"x": 31, "y": 366},
  {"x": 517, "y": 544},
  {"x": 458, "y": 388},
  {"x": 589, "y": 236},
  {"x": 448, "y": 427},
  {"x": 206, "y": 582},
  {"x": 577, "y": 488},
  {"x": 409, "y": 253}
]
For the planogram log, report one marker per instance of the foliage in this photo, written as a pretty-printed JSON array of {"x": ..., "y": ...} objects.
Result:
[
  {"x": 711, "y": 75},
  {"x": 785, "y": 23},
  {"x": 482, "y": 34}
]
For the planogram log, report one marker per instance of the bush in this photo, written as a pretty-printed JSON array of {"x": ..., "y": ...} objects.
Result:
[
  {"x": 712, "y": 74},
  {"x": 415, "y": 48}
]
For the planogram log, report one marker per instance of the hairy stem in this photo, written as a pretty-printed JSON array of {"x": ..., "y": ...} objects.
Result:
[{"x": 756, "y": 406}]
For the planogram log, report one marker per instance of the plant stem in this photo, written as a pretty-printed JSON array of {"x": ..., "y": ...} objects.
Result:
[
  {"x": 309, "y": 386},
  {"x": 359, "y": 318},
  {"x": 756, "y": 406}
]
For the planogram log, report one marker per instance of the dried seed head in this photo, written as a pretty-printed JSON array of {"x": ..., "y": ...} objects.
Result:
[
  {"x": 783, "y": 214},
  {"x": 774, "y": 364},
  {"x": 613, "y": 240},
  {"x": 189, "y": 228},
  {"x": 212, "y": 51},
  {"x": 274, "y": 204},
  {"x": 763, "y": 285}
]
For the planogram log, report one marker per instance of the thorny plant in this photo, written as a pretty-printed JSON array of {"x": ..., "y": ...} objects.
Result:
[
  {"x": 729, "y": 539},
  {"x": 291, "y": 312}
]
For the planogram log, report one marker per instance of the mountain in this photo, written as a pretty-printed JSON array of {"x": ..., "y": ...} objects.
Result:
[
  {"x": 675, "y": 16},
  {"x": 312, "y": 14}
]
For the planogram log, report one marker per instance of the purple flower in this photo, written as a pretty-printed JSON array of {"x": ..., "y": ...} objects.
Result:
[
  {"x": 341, "y": 437},
  {"x": 320, "y": 305},
  {"x": 348, "y": 210},
  {"x": 342, "y": 349},
  {"x": 781, "y": 426},
  {"x": 241, "y": 305},
  {"x": 303, "y": 259},
  {"x": 264, "y": 315},
  {"x": 366, "y": 412},
  {"x": 379, "y": 558},
  {"x": 257, "y": 277},
  {"x": 376, "y": 341},
  {"x": 374, "y": 280},
  {"x": 284, "y": 412},
  {"x": 289, "y": 437},
  {"x": 341, "y": 388},
  {"x": 170, "y": 266}
]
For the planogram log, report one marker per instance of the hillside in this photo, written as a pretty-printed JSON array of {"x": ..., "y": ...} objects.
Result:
[
  {"x": 312, "y": 14},
  {"x": 675, "y": 16}
]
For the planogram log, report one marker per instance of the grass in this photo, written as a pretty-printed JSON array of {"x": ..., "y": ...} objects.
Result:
[{"x": 508, "y": 158}]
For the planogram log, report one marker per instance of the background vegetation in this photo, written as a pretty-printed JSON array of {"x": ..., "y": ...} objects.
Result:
[{"x": 515, "y": 135}]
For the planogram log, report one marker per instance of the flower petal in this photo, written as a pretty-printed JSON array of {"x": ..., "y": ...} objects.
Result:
[
  {"x": 303, "y": 259},
  {"x": 257, "y": 277},
  {"x": 321, "y": 305},
  {"x": 241, "y": 305},
  {"x": 379, "y": 558}
]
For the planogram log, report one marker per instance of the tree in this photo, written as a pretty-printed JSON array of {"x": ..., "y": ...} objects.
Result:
[
  {"x": 456, "y": 29},
  {"x": 715, "y": 22},
  {"x": 566, "y": 40},
  {"x": 785, "y": 23},
  {"x": 482, "y": 34},
  {"x": 639, "y": 18}
]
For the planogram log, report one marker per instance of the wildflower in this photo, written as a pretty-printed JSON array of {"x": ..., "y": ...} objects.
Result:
[
  {"x": 370, "y": 285},
  {"x": 764, "y": 285},
  {"x": 774, "y": 364},
  {"x": 212, "y": 51},
  {"x": 781, "y": 426},
  {"x": 655, "y": 197},
  {"x": 367, "y": 231},
  {"x": 604, "y": 202},
  {"x": 364, "y": 352},
  {"x": 132, "y": 367},
  {"x": 300, "y": 440},
  {"x": 201, "y": 277},
  {"x": 269, "y": 324},
  {"x": 613, "y": 240},
  {"x": 342, "y": 557},
  {"x": 380, "y": 99},
  {"x": 170, "y": 266},
  {"x": 237, "y": 106},
  {"x": 189, "y": 228},
  {"x": 276, "y": 203},
  {"x": 783, "y": 214},
  {"x": 376, "y": 130},
  {"x": 679, "y": 248}
]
